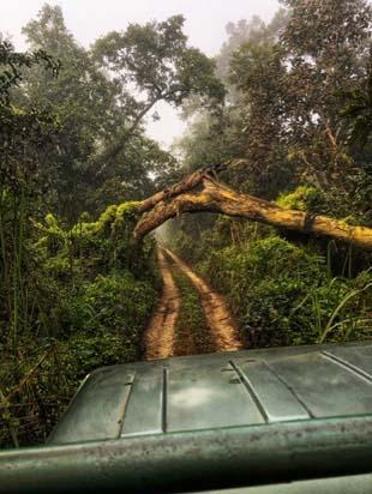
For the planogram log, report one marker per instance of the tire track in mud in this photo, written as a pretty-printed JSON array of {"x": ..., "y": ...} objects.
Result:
[
  {"x": 218, "y": 317},
  {"x": 160, "y": 334},
  {"x": 160, "y": 337}
]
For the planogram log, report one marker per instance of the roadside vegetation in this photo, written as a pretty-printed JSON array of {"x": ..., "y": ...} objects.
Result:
[
  {"x": 282, "y": 293},
  {"x": 84, "y": 304}
]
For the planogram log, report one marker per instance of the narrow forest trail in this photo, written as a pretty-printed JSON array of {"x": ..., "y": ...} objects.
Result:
[{"x": 161, "y": 334}]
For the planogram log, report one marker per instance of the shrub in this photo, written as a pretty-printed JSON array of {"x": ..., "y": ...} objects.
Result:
[
  {"x": 113, "y": 303},
  {"x": 283, "y": 294}
]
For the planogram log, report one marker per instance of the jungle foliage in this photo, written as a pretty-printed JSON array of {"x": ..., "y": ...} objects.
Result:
[
  {"x": 292, "y": 98},
  {"x": 83, "y": 303}
]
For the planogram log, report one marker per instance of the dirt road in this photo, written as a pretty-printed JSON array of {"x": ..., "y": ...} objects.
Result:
[{"x": 160, "y": 334}]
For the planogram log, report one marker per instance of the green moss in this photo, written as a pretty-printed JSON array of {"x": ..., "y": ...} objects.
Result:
[
  {"x": 118, "y": 216},
  {"x": 116, "y": 221},
  {"x": 52, "y": 221},
  {"x": 303, "y": 198}
]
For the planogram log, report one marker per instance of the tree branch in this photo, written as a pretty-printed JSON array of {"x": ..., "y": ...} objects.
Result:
[
  {"x": 109, "y": 154},
  {"x": 217, "y": 198},
  {"x": 190, "y": 182}
]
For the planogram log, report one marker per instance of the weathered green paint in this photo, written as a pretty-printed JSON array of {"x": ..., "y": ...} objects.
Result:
[
  {"x": 215, "y": 421},
  {"x": 221, "y": 390},
  {"x": 186, "y": 461},
  {"x": 355, "y": 484},
  {"x": 144, "y": 412}
]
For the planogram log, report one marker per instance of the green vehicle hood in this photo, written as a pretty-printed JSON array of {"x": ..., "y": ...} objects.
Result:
[
  {"x": 296, "y": 420},
  {"x": 220, "y": 390}
]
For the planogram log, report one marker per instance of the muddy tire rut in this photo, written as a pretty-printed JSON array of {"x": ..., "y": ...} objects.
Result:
[{"x": 160, "y": 335}]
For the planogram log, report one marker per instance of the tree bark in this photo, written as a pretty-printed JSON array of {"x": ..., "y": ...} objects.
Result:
[
  {"x": 217, "y": 198},
  {"x": 188, "y": 183}
]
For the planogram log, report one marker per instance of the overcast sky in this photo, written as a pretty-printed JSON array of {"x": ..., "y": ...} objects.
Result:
[{"x": 89, "y": 19}]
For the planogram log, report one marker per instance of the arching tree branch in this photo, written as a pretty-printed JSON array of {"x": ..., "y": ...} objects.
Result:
[
  {"x": 217, "y": 198},
  {"x": 191, "y": 182}
]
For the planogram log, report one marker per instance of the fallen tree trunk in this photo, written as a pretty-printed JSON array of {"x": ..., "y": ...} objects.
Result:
[
  {"x": 217, "y": 198},
  {"x": 188, "y": 183}
]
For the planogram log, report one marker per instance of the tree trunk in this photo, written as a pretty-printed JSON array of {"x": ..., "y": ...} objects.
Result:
[
  {"x": 112, "y": 151},
  {"x": 188, "y": 183},
  {"x": 217, "y": 198}
]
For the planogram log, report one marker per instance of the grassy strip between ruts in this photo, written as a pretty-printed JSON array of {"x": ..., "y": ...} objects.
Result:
[{"x": 192, "y": 333}]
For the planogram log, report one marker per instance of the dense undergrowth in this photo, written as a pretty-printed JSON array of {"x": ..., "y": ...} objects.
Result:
[
  {"x": 90, "y": 297},
  {"x": 284, "y": 289}
]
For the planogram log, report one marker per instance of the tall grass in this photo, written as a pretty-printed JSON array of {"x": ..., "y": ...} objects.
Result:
[{"x": 347, "y": 324}]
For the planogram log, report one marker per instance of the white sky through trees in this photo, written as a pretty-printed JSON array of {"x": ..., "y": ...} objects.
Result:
[{"x": 89, "y": 19}]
